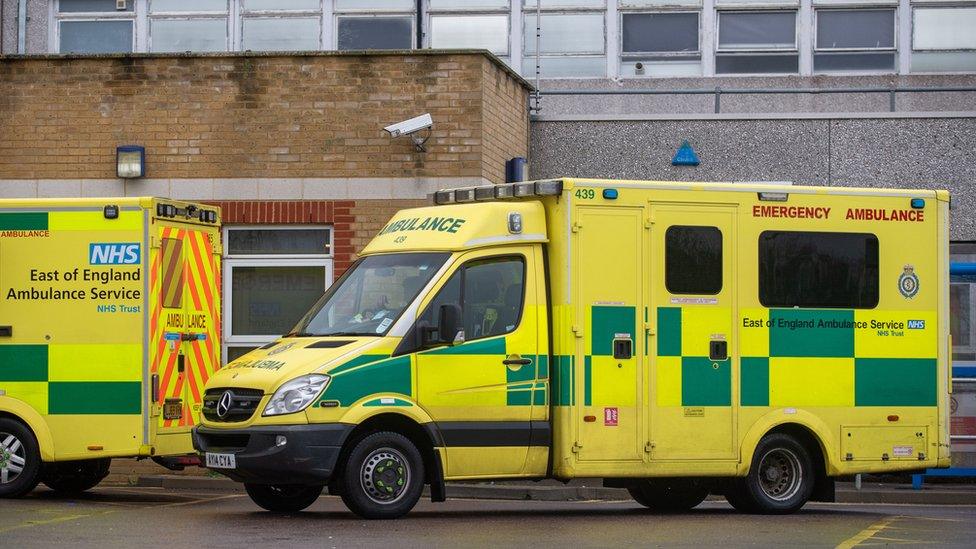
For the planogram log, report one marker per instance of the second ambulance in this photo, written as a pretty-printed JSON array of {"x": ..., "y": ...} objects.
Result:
[{"x": 674, "y": 339}]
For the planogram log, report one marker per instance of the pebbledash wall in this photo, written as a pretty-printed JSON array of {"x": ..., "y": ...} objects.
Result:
[{"x": 276, "y": 140}]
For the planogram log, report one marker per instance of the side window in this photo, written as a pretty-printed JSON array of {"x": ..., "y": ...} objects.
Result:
[
  {"x": 490, "y": 293},
  {"x": 693, "y": 260},
  {"x": 450, "y": 293},
  {"x": 818, "y": 269}
]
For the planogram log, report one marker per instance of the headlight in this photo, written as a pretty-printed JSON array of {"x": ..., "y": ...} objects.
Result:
[{"x": 296, "y": 395}]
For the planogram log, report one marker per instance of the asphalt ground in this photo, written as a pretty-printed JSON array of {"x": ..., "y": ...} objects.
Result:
[{"x": 132, "y": 516}]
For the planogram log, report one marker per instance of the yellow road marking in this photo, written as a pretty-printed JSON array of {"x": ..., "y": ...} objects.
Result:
[
  {"x": 32, "y": 523},
  {"x": 867, "y": 533}
]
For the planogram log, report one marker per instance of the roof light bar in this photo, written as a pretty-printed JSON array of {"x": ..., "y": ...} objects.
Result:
[
  {"x": 498, "y": 192},
  {"x": 484, "y": 193},
  {"x": 464, "y": 195},
  {"x": 444, "y": 197},
  {"x": 504, "y": 191}
]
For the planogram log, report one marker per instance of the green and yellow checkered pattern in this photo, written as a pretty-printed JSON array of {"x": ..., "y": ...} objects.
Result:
[
  {"x": 800, "y": 357},
  {"x": 74, "y": 379}
]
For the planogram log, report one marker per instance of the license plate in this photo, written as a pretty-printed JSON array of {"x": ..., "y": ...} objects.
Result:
[{"x": 221, "y": 461}]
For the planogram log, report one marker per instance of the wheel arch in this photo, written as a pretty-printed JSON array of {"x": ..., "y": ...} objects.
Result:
[
  {"x": 804, "y": 426},
  {"x": 422, "y": 435},
  {"x": 810, "y": 432},
  {"x": 20, "y": 411}
]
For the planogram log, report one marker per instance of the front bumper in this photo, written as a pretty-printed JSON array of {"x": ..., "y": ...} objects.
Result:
[{"x": 308, "y": 457}]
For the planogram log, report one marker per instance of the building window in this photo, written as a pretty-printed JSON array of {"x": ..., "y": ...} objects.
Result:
[
  {"x": 375, "y": 24},
  {"x": 757, "y": 42},
  {"x": 944, "y": 39},
  {"x": 660, "y": 44},
  {"x": 855, "y": 40},
  {"x": 693, "y": 260},
  {"x": 272, "y": 275},
  {"x": 281, "y": 25},
  {"x": 818, "y": 270},
  {"x": 95, "y": 26},
  {"x": 573, "y": 41},
  {"x": 188, "y": 25},
  {"x": 482, "y": 24},
  {"x": 962, "y": 304}
]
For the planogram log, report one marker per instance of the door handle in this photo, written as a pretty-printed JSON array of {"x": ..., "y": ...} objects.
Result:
[
  {"x": 515, "y": 360},
  {"x": 6, "y": 331}
]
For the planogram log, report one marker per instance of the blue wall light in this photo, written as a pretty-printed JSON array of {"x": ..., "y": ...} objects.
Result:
[{"x": 130, "y": 161}]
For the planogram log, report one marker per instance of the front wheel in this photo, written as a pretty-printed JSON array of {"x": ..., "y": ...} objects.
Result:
[
  {"x": 20, "y": 459},
  {"x": 780, "y": 479},
  {"x": 383, "y": 476},
  {"x": 668, "y": 496},
  {"x": 283, "y": 498},
  {"x": 74, "y": 477}
]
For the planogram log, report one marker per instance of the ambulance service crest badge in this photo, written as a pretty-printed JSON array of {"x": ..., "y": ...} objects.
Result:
[{"x": 908, "y": 282}]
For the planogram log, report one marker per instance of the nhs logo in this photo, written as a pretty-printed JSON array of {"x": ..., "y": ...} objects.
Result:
[
  {"x": 117, "y": 253},
  {"x": 916, "y": 324}
]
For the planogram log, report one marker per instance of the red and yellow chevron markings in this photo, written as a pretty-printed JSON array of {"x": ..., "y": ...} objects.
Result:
[{"x": 194, "y": 261}]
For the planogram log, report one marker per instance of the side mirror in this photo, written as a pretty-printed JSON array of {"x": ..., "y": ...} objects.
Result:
[{"x": 449, "y": 327}]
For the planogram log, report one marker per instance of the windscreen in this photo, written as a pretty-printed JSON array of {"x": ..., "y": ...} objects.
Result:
[{"x": 371, "y": 295}]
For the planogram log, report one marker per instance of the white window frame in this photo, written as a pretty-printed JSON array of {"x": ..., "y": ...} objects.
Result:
[
  {"x": 677, "y": 54},
  {"x": 227, "y": 17},
  {"x": 56, "y": 18},
  {"x": 243, "y": 14},
  {"x": 923, "y": 6},
  {"x": 470, "y": 11},
  {"x": 361, "y": 15},
  {"x": 971, "y": 348},
  {"x": 719, "y": 50},
  {"x": 875, "y": 7},
  {"x": 231, "y": 261},
  {"x": 528, "y": 59}
]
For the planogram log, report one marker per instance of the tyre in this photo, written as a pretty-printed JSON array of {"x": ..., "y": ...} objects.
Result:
[
  {"x": 780, "y": 479},
  {"x": 20, "y": 459},
  {"x": 283, "y": 498},
  {"x": 668, "y": 496},
  {"x": 383, "y": 476},
  {"x": 74, "y": 477}
]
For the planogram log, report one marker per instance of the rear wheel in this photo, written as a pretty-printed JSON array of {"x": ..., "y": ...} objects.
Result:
[
  {"x": 74, "y": 477},
  {"x": 20, "y": 459},
  {"x": 668, "y": 496},
  {"x": 780, "y": 480},
  {"x": 283, "y": 498},
  {"x": 383, "y": 476}
]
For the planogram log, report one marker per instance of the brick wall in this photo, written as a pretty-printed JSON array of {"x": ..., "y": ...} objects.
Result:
[
  {"x": 506, "y": 121},
  {"x": 354, "y": 222},
  {"x": 254, "y": 116}
]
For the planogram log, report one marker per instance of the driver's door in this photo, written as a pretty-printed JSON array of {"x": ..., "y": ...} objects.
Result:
[{"x": 480, "y": 393}]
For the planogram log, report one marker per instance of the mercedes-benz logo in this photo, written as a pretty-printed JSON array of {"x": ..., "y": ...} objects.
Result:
[{"x": 224, "y": 404}]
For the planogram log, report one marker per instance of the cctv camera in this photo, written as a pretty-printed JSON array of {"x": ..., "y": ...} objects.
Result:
[{"x": 411, "y": 126}]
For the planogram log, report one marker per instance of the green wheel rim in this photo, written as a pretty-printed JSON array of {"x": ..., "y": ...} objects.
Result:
[{"x": 385, "y": 475}]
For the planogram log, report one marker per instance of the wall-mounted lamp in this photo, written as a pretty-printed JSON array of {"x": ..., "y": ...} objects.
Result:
[{"x": 130, "y": 161}]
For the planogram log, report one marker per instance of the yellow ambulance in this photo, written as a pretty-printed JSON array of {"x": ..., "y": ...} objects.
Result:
[
  {"x": 675, "y": 339},
  {"x": 109, "y": 329}
]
